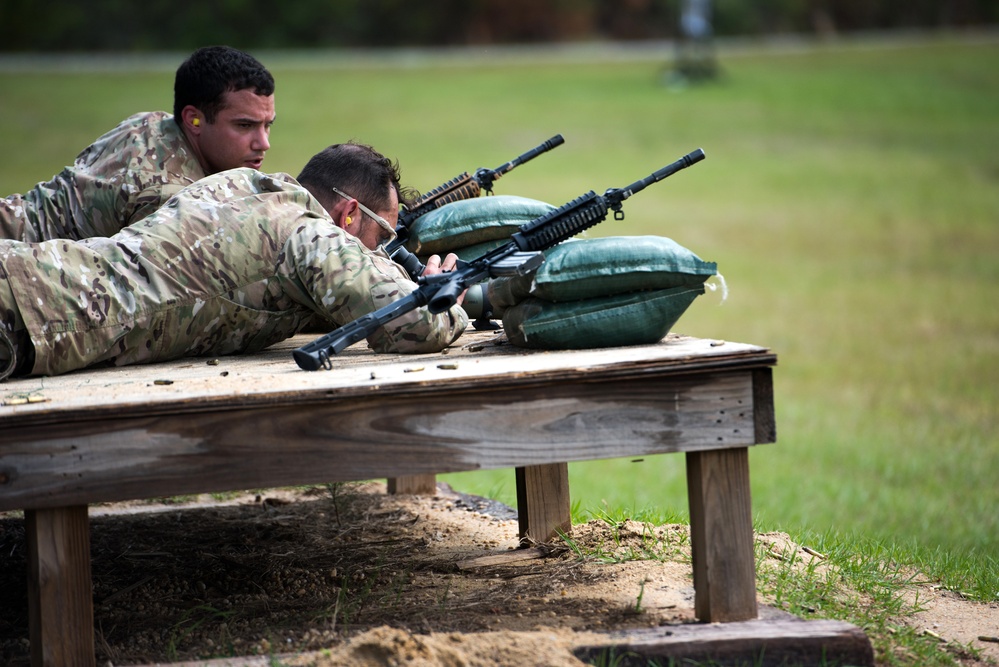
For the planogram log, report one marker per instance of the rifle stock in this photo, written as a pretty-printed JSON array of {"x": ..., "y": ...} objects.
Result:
[{"x": 522, "y": 254}]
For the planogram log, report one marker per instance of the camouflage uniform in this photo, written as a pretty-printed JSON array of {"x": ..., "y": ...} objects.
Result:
[
  {"x": 124, "y": 176},
  {"x": 234, "y": 263}
]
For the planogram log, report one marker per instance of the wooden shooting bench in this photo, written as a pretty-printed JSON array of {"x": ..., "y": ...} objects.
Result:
[{"x": 237, "y": 423}]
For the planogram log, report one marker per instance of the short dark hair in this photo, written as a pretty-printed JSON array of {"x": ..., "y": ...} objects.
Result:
[
  {"x": 358, "y": 170},
  {"x": 212, "y": 71}
]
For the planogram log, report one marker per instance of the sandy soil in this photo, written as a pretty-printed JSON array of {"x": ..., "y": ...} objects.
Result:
[{"x": 349, "y": 575}]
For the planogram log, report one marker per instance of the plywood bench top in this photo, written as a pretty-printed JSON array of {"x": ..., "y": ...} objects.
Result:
[{"x": 477, "y": 359}]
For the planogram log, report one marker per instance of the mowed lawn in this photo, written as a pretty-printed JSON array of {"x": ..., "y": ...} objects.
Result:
[{"x": 850, "y": 196}]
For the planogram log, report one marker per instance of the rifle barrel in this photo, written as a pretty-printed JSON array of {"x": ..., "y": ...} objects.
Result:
[
  {"x": 687, "y": 160},
  {"x": 543, "y": 147}
]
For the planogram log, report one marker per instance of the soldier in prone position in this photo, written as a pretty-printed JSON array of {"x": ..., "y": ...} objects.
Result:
[
  {"x": 223, "y": 111},
  {"x": 232, "y": 264}
]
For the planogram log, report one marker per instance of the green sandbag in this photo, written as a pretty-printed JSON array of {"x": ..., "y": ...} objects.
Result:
[
  {"x": 475, "y": 251},
  {"x": 469, "y": 222},
  {"x": 636, "y": 318},
  {"x": 590, "y": 268}
]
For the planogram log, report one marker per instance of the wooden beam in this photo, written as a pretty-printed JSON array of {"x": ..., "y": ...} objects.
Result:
[
  {"x": 763, "y": 406},
  {"x": 543, "y": 502},
  {"x": 106, "y": 460},
  {"x": 761, "y": 643},
  {"x": 60, "y": 593},
  {"x": 721, "y": 535},
  {"x": 416, "y": 485},
  {"x": 505, "y": 558}
]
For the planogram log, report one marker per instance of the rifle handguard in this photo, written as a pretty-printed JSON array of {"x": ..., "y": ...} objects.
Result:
[
  {"x": 458, "y": 188},
  {"x": 461, "y": 187},
  {"x": 548, "y": 230}
]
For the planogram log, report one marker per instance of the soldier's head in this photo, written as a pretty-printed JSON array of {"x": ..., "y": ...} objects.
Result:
[
  {"x": 223, "y": 100},
  {"x": 360, "y": 189}
]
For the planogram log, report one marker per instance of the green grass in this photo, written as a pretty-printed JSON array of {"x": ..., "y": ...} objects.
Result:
[
  {"x": 850, "y": 197},
  {"x": 869, "y": 586},
  {"x": 873, "y": 586}
]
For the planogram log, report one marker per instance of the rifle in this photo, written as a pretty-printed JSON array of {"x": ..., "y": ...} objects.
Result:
[
  {"x": 518, "y": 257},
  {"x": 462, "y": 186}
]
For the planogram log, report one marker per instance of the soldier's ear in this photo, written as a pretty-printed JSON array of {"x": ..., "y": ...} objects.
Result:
[
  {"x": 353, "y": 212},
  {"x": 344, "y": 212},
  {"x": 191, "y": 117}
]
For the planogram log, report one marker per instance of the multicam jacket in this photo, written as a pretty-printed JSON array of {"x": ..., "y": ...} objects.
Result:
[
  {"x": 234, "y": 263},
  {"x": 124, "y": 176}
]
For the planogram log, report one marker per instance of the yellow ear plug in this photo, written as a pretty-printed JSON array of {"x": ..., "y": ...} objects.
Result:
[
  {"x": 196, "y": 122},
  {"x": 348, "y": 220}
]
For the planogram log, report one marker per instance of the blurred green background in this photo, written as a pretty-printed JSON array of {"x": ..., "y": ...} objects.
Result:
[
  {"x": 155, "y": 25},
  {"x": 850, "y": 196}
]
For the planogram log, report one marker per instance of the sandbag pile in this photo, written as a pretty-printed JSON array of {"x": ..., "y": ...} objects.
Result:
[{"x": 588, "y": 293}]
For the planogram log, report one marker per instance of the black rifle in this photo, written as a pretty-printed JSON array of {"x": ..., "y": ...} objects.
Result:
[
  {"x": 520, "y": 256},
  {"x": 463, "y": 186}
]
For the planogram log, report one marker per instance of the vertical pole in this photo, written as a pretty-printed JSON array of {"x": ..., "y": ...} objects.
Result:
[
  {"x": 721, "y": 535},
  {"x": 543, "y": 504},
  {"x": 60, "y": 592},
  {"x": 417, "y": 485}
]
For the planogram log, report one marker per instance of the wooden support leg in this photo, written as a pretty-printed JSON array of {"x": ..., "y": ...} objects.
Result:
[
  {"x": 417, "y": 485},
  {"x": 60, "y": 592},
  {"x": 543, "y": 502},
  {"x": 721, "y": 535}
]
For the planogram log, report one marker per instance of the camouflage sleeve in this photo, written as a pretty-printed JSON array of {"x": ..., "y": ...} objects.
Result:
[
  {"x": 42, "y": 213},
  {"x": 127, "y": 174},
  {"x": 74, "y": 205},
  {"x": 346, "y": 281},
  {"x": 150, "y": 199},
  {"x": 14, "y": 221}
]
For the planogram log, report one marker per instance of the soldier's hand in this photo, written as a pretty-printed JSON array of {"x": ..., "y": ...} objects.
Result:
[{"x": 435, "y": 265}]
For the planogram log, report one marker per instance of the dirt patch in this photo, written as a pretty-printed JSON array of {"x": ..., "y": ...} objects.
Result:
[{"x": 349, "y": 575}]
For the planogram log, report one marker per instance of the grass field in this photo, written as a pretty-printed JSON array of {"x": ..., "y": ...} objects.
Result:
[{"x": 850, "y": 197}]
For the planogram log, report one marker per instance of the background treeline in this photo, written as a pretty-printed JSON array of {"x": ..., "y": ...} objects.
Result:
[{"x": 124, "y": 25}]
